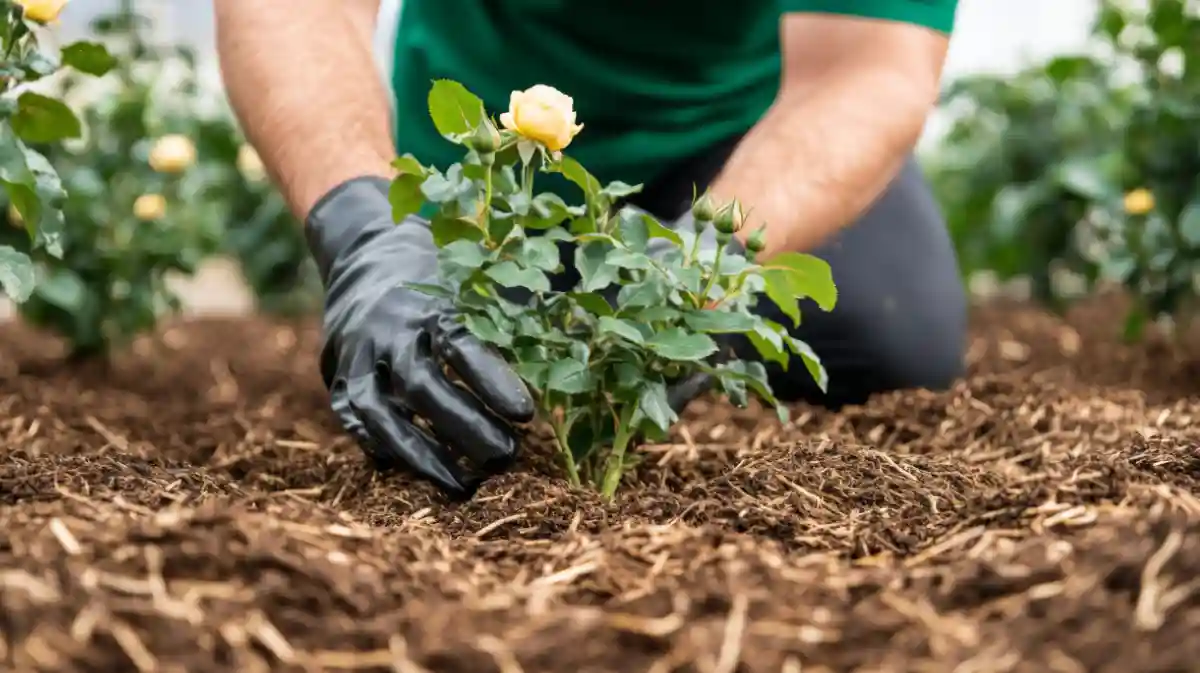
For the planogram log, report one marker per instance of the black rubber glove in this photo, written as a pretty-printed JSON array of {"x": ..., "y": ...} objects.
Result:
[{"x": 386, "y": 347}]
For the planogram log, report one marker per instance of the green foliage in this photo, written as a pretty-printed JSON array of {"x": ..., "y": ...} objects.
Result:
[
  {"x": 1086, "y": 163},
  {"x": 650, "y": 306},
  {"x": 135, "y": 212},
  {"x": 260, "y": 230},
  {"x": 29, "y": 119}
]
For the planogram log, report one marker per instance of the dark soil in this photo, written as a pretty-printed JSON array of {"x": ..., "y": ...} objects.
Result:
[{"x": 194, "y": 507}]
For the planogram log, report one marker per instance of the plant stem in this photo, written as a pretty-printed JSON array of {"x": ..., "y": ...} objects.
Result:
[
  {"x": 716, "y": 271},
  {"x": 527, "y": 180},
  {"x": 485, "y": 210},
  {"x": 615, "y": 466},
  {"x": 561, "y": 432}
]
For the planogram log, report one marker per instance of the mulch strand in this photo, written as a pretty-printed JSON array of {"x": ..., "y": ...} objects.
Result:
[{"x": 193, "y": 506}]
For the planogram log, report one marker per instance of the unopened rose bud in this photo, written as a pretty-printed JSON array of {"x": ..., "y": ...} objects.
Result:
[
  {"x": 729, "y": 218},
  {"x": 705, "y": 208},
  {"x": 485, "y": 139},
  {"x": 757, "y": 241}
]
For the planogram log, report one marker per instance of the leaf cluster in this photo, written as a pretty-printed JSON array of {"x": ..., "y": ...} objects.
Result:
[
  {"x": 1035, "y": 168},
  {"x": 647, "y": 306},
  {"x": 29, "y": 121}
]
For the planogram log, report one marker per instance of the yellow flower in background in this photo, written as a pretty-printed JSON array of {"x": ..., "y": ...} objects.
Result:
[
  {"x": 1139, "y": 201},
  {"x": 544, "y": 114},
  {"x": 172, "y": 154},
  {"x": 150, "y": 207},
  {"x": 249, "y": 164},
  {"x": 42, "y": 11}
]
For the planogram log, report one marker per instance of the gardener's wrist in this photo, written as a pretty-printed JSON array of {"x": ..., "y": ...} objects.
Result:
[{"x": 344, "y": 216}]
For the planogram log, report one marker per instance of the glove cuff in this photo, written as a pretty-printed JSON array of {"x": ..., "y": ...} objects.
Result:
[{"x": 346, "y": 217}]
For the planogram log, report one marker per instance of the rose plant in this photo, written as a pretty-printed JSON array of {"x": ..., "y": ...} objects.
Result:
[
  {"x": 1087, "y": 162},
  {"x": 652, "y": 305},
  {"x": 30, "y": 121},
  {"x": 136, "y": 211}
]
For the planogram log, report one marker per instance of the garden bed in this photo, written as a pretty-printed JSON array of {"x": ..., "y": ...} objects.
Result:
[{"x": 196, "y": 508}]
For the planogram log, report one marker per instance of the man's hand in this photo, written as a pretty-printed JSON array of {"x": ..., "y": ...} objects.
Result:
[
  {"x": 386, "y": 347},
  {"x": 854, "y": 96}
]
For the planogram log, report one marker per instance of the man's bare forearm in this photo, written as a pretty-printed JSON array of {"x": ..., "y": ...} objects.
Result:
[
  {"x": 853, "y": 101},
  {"x": 301, "y": 77},
  {"x": 813, "y": 164}
]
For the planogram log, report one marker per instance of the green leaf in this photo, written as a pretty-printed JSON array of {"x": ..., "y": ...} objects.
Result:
[
  {"x": 539, "y": 253},
  {"x": 17, "y": 277},
  {"x": 440, "y": 188},
  {"x": 409, "y": 165},
  {"x": 41, "y": 119},
  {"x": 810, "y": 277},
  {"x": 534, "y": 373},
  {"x": 510, "y": 274},
  {"x": 1084, "y": 177},
  {"x": 63, "y": 288},
  {"x": 621, "y": 328},
  {"x": 91, "y": 58},
  {"x": 618, "y": 190},
  {"x": 463, "y": 254},
  {"x": 1189, "y": 223},
  {"x": 719, "y": 322},
  {"x": 591, "y": 261},
  {"x": 447, "y": 230},
  {"x": 779, "y": 290},
  {"x": 575, "y": 172},
  {"x": 651, "y": 291},
  {"x": 453, "y": 109},
  {"x": 431, "y": 290},
  {"x": 767, "y": 339},
  {"x": 548, "y": 210},
  {"x": 405, "y": 196},
  {"x": 677, "y": 344},
  {"x": 628, "y": 259},
  {"x": 655, "y": 229},
  {"x": 811, "y": 362},
  {"x": 50, "y": 192},
  {"x": 654, "y": 405},
  {"x": 592, "y": 303},
  {"x": 570, "y": 376},
  {"x": 486, "y": 330}
]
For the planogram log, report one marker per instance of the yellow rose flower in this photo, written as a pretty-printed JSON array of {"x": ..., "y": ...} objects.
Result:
[
  {"x": 150, "y": 207},
  {"x": 544, "y": 114},
  {"x": 249, "y": 164},
  {"x": 172, "y": 154},
  {"x": 1139, "y": 201},
  {"x": 42, "y": 11}
]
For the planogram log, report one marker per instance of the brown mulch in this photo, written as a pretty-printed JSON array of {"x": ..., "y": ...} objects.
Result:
[{"x": 194, "y": 507}]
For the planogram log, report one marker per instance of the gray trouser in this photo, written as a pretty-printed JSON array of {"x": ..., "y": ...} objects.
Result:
[{"x": 900, "y": 319}]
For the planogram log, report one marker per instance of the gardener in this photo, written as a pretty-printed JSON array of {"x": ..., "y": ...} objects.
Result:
[{"x": 807, "y": 111}]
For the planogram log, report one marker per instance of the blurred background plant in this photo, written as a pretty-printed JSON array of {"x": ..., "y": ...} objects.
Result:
[
  {"x": 1081, "y": 171},
  {"x": 159, "y": 182},
  {"x": 31, "y": 123}
]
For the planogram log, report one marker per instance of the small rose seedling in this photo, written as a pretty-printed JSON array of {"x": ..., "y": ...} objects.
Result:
[{"x": 652, "y": 306}]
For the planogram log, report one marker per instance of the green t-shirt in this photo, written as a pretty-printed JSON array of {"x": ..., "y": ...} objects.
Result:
[{"x": 654, "y": 81}]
